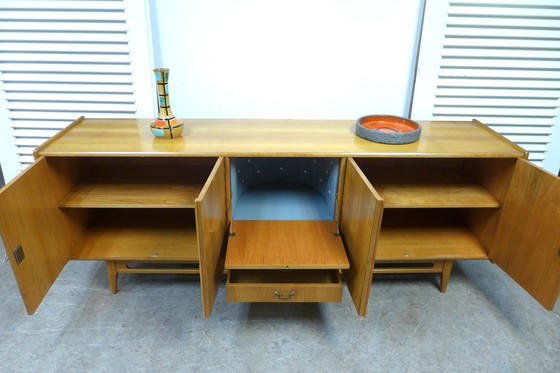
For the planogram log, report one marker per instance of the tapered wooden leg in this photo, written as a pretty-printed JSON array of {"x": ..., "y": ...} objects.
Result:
[
  {"x": 445, "y": 274},
  {"x": 112, "y": 274}
]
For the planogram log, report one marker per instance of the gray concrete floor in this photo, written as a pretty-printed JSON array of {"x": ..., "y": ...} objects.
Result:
[{"x": 484, "y": 323}]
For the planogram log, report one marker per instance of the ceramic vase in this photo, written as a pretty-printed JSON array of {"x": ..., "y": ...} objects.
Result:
[{"x": 166, "y": 126}]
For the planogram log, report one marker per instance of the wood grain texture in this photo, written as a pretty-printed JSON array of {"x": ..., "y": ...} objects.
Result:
[
  {"x": 139, "y": 235},
  {"x": 264, "y": 138},
  {"x": 211, "y": 227},
  {"x": 425, "y": 187},
  {"x": 419, "y": 235},
  {"x": 340, "y": 189},
  {"x": 525, "y": 153},
  {"x": 434, "y": 266},
  {"x": 528, "y": 236},
  {"x": 360, "y": 221},
  {"x": 61, "y": 133},
  {"x": 283, "y": 244},
  {"x": 137, "y": 187},
  {"x": 112, "y": 275},
  {"x": 30, "y": 218},
  {"x": 65, "y": 173},
  {"x": 495, "y": 174},
  {"x": 283, "y": 287}
]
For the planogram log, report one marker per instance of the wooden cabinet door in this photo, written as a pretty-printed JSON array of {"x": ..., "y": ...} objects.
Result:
[
  {"x": 360, "y": 222},
  {"x": 527, "y": 244},
  {"x": 33, "y": 226},
  {"x": 211, "y": 212}
]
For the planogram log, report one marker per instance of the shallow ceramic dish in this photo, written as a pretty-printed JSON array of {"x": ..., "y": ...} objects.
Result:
[{"x": 388, "y": 129}]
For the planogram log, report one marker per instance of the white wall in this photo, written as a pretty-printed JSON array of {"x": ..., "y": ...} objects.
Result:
[{"x": 287, "y": 59}]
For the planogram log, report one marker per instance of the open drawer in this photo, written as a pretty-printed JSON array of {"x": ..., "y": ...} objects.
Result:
[{"x": 283, "y": 286}]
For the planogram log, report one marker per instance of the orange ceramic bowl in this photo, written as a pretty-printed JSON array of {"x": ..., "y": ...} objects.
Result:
[{"x": 388, "y": 129}]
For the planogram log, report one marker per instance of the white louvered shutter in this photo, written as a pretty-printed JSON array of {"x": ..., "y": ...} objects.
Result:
[
  {"x": 60, "y": 60},
  {"x": 494, "y": 60}
]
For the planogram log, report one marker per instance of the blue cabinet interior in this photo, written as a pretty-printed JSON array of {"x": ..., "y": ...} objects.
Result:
[{"x": 284, "y": 188}]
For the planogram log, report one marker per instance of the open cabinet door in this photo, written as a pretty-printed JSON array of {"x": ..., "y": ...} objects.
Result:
[
  {"x": 360, "y": 222},
  {"x": 528, "y": 235},
  {"x": 211, "y": 210},
  {"x": 35, "y": 231}
]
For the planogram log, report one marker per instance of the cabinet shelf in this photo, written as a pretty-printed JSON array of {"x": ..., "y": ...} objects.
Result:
[
  {"x": 429, "y": 187},
  {"x": 131, "y": 235},
  {"x": 414, "y": 235},
  {"x": 137, "y": 187},
  {"x": 269, "y": 244}
]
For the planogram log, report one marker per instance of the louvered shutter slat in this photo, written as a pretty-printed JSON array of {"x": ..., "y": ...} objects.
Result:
[
  {"x": 108, "y": 58},
  {"x": 508, "y": 102},
  {"x": 497, "y": 111},
  {"x": 69, "y": 97},
  {"x": 492, "y": 92},
  {"x": 37, "y": 133},
  {"x": 65, "y": 47},
  {"x": 54, "y": 4},
  {"x": 65, "y": 68},
  {"x": 68, "y": 116},
  {"x": 474, "y": 52},
  {"x": 63, "y": 87},
  {"x": 510, "y": 3},
  {"x": 62, "y": 77},
  {"x": 39, "y": 124},
  {"x": 49, "y": 26},
  {"x": 42, "y": 15},
  {"x": 528, "y": 139},
  {"x": 23, "y": 150},
  {"x": 73, "y": 107},
  {"x": 476, "y": 82},
  {"x": 500, "y": 73},
  {"x": 500, "y": 120},
  {"x": 502, "y": 22},
  {"x": 501, "y": 64},
  {"x": 61, "y": 60},
  {"x": 501, "y": 32},
  {"x": 454, "y": 42},
  {"x": 27, "y": 159},
  {"x": 29, "y": 141},
  {"x": 488, "y": 11},
  {"x": 68, "y": 37}
]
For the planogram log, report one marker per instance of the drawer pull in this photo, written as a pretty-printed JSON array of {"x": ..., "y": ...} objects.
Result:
[{"x": 277, "y": 293}]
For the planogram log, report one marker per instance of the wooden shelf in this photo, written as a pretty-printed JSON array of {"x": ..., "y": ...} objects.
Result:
[
  {"x": 137, "y": 187},
  {"x": 414, "y": 235},
  {"x": 428, "y": 187},
  {"x": 165, "y": 235},
  {"x": 268, "y": 244}
]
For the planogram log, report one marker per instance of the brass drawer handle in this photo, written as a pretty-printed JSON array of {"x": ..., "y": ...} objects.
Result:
[{"x": 277, "y": 293}]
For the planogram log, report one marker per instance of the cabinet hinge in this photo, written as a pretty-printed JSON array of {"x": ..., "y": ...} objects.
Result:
[
  {"x": 19, "y": 255},
  {"x": 232, "y": 234}
]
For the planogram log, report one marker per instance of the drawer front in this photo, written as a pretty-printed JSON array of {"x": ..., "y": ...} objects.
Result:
[{"x": 283, "y": 292}]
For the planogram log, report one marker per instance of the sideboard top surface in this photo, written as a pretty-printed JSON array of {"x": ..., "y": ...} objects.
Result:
[{"x": 271, "y": 138}]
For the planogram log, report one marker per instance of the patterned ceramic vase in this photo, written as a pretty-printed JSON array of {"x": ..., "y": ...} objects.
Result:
[{"x": 166, "y": 125}]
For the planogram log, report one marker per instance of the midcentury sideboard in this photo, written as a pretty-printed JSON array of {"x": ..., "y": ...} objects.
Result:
[{"x": 289, "y": 209}]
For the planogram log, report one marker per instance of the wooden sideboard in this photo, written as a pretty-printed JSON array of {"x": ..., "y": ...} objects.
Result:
[{"x": 106, "y": 189}]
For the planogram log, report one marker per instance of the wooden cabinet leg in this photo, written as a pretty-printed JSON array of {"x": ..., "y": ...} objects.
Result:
[
  {"x": 445, "y": 274},
  {"x": 112, "y": 274}
]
